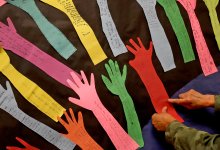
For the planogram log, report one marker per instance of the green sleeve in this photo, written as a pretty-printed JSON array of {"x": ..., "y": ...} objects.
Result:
[
  {"x": 217, "y": 103},
  {"x": 185, "y": 138}
]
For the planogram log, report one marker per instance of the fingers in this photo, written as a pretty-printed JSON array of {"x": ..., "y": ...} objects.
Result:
[
  {"x": 177, "y": 101},
  {"x": 72, "y": 85},
  {"x": 80, "y": 119},
  {"x": 84, "y": 77},
  {"x": 76, "y": 101},
  {"x": 13, "y": 148},
  {"x": 117, "y": 69},
  {"x": 72, "y": 115},
  {"x": 124, "y": 73},
  {"x": 134, "y": 44},
  {"x": 151, "y": 47},
  {"x": 22, "y": 141},
  {"x": 11, "y": 25},
  {"x": 164, "y": 110},
  {"x": 112, "y": 65},
  {"x": 76, "y": 79},
  {"x": 67, "y": 117},
  {"x": 106, "y": 81},
  {"x": 140, "y": 43},
  {"x": 64, "y": 124},
  {"x": 92, "y": 79},
  {"x": 190, "y": 93},
  {"x": 130, "y": 49}
]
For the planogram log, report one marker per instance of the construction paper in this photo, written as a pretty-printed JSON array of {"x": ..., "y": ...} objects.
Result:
[
  {"x": 110, "y": 30},
  {"x": 206, "y": 60},
  {"x": 89, "y": 99},
  {"x": 84, "y": 31},
  {"x": 53, "y": 35},
  {"x": 29, "y": 90},
  {"x": 11, "y": 40},
  {"x": 77, "y": 132},
  {"x": 162, "y": 46},
  {"x": 143, "y": 65},
  {"x": 173, "y": 13},
  {"x": 9, "y": 104},
  {"x": 24, "y": 143},
  {"x": 211, "y": 5},
  {"x": 116, "y": 85},
  {"x": 2, "y": 2}
]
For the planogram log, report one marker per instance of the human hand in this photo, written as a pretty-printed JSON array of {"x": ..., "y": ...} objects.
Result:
[
  {"x": 162, "y": 120},
  {"x": 116, "y": 84},
  {"x": 194, "y": 100},
  {"x": 87, "y": 92},
  {"x": 25, "y": 144}
]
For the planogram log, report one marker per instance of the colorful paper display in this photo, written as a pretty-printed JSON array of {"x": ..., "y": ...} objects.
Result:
[
  {"x": 162, "y": 46},
  {"x": 173, "y": 13},
  {"x": 144, "y": 67},
  {"x": 89, "y": 99},
  {"x": 211, "y": 5},
  {"x": 84, "y": 31},
  {"x": 77, "y": 132},
  {"x": 24, "y": 143},
  {"x": 53, "y": 35},
  {"x": 110, "y": 30},
  {"x": 206, "y": 60},
  {"x": 11, "y": 40},
  {"x": 29, "y": 90},
  {"x": 116, "y": 85},
  {"x": 9, "y": 104}
]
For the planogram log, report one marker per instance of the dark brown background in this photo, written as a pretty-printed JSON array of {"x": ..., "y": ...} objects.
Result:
[{"x": 130, "y": 22}]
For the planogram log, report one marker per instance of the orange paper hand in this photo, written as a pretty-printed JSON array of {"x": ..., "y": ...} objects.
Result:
[
  {"x": 26, "y": 145},
  {"x": 77, "y": 132}
]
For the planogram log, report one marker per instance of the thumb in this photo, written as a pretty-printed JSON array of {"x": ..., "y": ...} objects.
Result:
[{"x": 164, "y": 110}]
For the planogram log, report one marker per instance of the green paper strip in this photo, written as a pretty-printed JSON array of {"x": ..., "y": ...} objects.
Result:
[
  {"x": 211, "y": 5},
  {"x": 178, "y": 25},
  {"x": 117, "y": 87}
]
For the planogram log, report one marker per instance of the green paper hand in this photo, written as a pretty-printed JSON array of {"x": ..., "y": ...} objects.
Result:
[
  {"x": 116, "y": 84},
  {"x": 211, "y": 5}
]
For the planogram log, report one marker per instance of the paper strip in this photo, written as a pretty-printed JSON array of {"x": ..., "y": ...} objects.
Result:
[
  {"x": 82, "y": 28},
  {"x": 211, "y": 5},
  {"x": 173, "y": 13},
  {"x": 116, "y": 85},
  {"x": 145, "y": 69},
  {"x": 2, "y": 2},
  {"x": 162, "y": 46},
  {"x": 9, "y": 104},
  {"x": 77, "y": 132},
  {"x": 206, "y": 60},
  {"x": 10, "y": 40},
  {"x": 89, "y": 99},
  {"x": 24, "y": 143},
  {"x": 54, "y": 36},
  {"x": 110, "y": 30},
  {"x": 29, "y": 90}
]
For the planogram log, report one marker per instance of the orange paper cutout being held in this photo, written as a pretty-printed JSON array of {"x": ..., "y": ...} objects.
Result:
[
  {"x": 24, "y": 143},
  {"x": 145, "y": 69},
  {"x": 77, "y": 132}
]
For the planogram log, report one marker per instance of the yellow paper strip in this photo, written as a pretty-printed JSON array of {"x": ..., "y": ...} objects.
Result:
[
  {"x": 29, "y": 90},
  {"x": 83, "y": 30}
]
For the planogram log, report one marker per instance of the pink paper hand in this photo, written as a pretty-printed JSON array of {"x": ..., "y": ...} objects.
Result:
[{"x": 25, "y": 144}]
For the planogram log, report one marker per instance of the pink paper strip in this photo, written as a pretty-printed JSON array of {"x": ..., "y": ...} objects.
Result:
[
  {"x": 10, "y": 40},
  {"x": 2, "y": 2},
  {"x": 206, "y": 60}
]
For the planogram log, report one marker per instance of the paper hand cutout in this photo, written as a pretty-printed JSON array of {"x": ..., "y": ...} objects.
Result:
[
  {"x": 116, "y": 85},
  {"x": 29, "y": 90},
  {"x": 145, "y": 69},
  {"x": 162, "y": 46},
  {"x": 25, "y": 144},
  {"x": 54, "y": 36},
  {"x": 77, "y": 132},
  {"x": 206, "y": 60},
  {"x": 84, "y": 31},
  {"x": 9, "y": 104},
  {"x": 89, "y": 99},
  {"x": 173, "y": 13},
  {"x": 2, "y": 2},
  {"x": 211, "y": 5},
  {"x": 10, "y": 40}
]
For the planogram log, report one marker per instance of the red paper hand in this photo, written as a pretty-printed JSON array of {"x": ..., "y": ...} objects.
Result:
[
  {"x": 144, "y": 67},
  {"x": 26, "y": 145}
]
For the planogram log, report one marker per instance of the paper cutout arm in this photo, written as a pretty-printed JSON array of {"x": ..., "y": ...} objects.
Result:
[
  {"x": 9, "y": 104},
  {"x": 54, "y": 36},
  {"x": 24, "y": 143},
  {"x": 211, "y": 5},
  {"x": 84, "y": 31},
  {"x": 206, "y": 60},
  {"x": 109, "y": 28},
  {"x": 29, "y": 90},
  {"x": 11, "y": 40},
  {"x": 145, "y": 69},
  {"x": 89, "y": 99},
  {"x": 77, "y": 132},
  {"x": 116, "y": 84},
  {"x": 173, "y": 13},
  {"x": 162, "y": 46}
]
